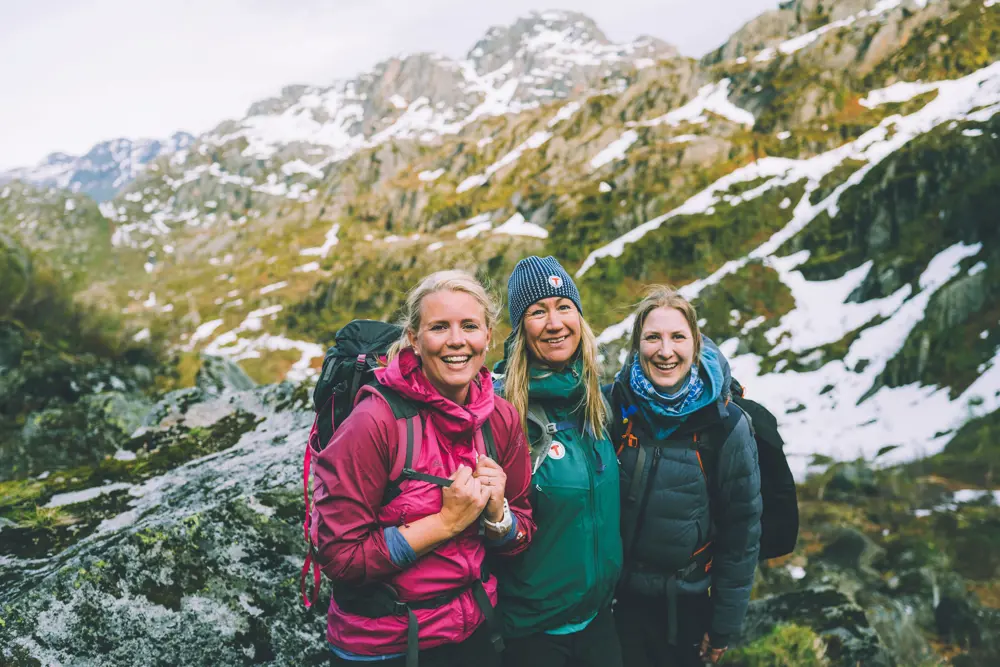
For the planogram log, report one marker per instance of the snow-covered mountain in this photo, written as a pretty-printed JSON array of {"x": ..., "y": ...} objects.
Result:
[
  {"x": 103, "y": 171},
  {"x": 824, "y": 186},
  {"x": 540, "y": 58}
]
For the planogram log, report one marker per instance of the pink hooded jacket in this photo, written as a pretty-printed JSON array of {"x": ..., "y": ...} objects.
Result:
[{"x": 351, "y": 475}]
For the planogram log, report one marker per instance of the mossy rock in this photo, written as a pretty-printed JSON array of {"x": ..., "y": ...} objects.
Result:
[
  {"x": 787, "y": 645},
  {"x": 830, "y": 614}
]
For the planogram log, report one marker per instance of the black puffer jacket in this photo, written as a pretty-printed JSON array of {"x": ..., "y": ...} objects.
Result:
[{"x": 695, "y": 498}]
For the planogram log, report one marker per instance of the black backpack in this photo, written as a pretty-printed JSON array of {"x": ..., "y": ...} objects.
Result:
[
  {"x": 359, "y": 349},
  {"x": 779, "y": 522}
]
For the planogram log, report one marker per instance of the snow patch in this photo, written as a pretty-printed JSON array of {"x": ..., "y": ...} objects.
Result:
[
  {"x": 471, "y": 182},
  {"x": 536, "y": 140},
  {"x": 307, "y": 268},
  {"x": 473, "y": 230},
  {"x": 273, "y": 287},
  {"x": 712, "y": 97},
  {"x": 237, "y": 349},
  {"x": 323, "y": 250},
  {"x": 301, "y": 167},
  {"x": 431, "y": 175},
  {"x": 565, "y": 113},
  {"x": 615, "y": 150},
  {"x": 896, "y": 93},
  {"x": 202, "y": 332},
  {"x": 518, "y": 226}
]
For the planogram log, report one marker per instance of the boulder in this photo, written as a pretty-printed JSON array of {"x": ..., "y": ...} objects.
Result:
[{"x": 217, "y": 376}]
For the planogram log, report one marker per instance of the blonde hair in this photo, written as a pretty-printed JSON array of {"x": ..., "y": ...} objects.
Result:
[
  {"x": 517, "y": 378},
  {"x": 454, "y": 281},
  {"x": 665, "y": 296}
]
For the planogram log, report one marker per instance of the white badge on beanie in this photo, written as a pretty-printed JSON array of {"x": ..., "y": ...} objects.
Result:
[{"x": 555, "y": 281}]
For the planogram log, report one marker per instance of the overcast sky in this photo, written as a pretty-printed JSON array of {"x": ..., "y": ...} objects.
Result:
[{"x": 75, "y": 72}]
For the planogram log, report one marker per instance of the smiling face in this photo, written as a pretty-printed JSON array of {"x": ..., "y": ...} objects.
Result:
[
  {"x": 451, "y": 341},
  {"x": 552, "y": 330},
  {"x": 666, "y": 348}
]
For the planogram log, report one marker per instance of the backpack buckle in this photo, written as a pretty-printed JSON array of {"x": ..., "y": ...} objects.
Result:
[
  {"x": 551, "y": 428},
  {"x": 399, "y": 608}
]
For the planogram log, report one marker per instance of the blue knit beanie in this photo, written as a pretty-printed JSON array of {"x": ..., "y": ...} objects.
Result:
[{"x": 534, "y": 279}]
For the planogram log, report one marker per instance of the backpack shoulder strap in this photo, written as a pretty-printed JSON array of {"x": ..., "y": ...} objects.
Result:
[
  {"x": 402, "y": 408},
  {"x": 489, "y": 442},
  {"x": 410, "y": 437},
  {"x": 540, "y": 447}
]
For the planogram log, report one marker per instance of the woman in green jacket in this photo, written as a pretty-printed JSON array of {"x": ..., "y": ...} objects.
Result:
[{"x": 555, "y": 598}]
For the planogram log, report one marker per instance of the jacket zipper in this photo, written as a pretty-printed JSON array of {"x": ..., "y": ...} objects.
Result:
[{"x": 593, "y": 515}]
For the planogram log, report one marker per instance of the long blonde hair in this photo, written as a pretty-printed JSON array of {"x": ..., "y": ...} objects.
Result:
[
  {"x": 665, "y": 296},
  {"x": 453, "y": 280},
  {"x": 517, "y": 378}
]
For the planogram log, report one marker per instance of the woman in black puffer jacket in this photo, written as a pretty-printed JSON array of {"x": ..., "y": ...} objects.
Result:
[{"x": 690, "y": 484}]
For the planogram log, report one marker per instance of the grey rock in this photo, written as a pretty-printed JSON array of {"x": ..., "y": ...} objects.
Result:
[
  {"x": 218, "y": 375},
  {"x": 851, "y": 478}
]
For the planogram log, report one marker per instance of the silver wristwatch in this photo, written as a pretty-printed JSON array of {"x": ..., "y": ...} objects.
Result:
[{"x": 504, "y": 524}]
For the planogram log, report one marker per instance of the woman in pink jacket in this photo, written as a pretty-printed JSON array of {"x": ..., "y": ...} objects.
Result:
[{"x": 411, "y": 573}]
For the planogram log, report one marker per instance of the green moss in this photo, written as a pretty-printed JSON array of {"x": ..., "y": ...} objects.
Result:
[
  {"x": 755, "y": 291},
  {"x": 971, "y": 456},
  {"x": 271, "y": 366},
  {"x": 944, "y": 47},
  {"x": 834, "y": 179},
  {"x": 785, "y": 646},
  {"x": 684, "y": 249}
]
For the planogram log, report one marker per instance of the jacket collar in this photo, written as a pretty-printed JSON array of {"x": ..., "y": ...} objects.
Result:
[{"x": 406, "y": 376}]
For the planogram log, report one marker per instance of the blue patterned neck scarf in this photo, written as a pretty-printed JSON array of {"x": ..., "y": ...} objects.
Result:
[{"x": 659, "y": 406}]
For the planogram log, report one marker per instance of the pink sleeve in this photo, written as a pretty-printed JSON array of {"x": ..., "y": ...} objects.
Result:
[
  {"x": 351, "y": 475},
  {"x": 512, "y": 448}
]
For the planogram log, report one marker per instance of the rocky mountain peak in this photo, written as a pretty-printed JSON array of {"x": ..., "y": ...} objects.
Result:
[
  {"x": 103, "y": 170},
  {"x": 537, "y": 32}
]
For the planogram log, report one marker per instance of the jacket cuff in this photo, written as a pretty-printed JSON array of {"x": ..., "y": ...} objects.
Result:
[{"x": 400, "y": 551}]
